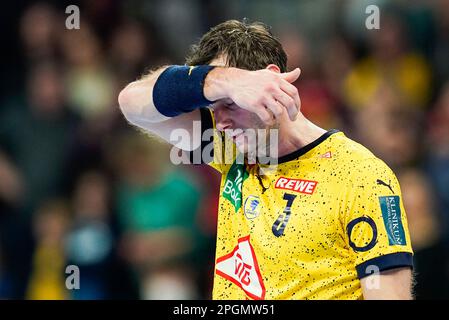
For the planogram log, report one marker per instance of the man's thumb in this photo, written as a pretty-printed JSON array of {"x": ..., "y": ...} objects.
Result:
[{"x": 292, "y": 75}]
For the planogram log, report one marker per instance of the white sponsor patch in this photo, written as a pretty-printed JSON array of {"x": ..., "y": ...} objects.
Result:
[{"x": 241, "y": 268}]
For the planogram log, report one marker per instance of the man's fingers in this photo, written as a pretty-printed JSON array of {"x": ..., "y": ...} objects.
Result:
[
  {"x": 291, "y": 76},
  {"x": 265, "y": 115},
  {"x": 292, "y": 92},
  {"x": 288, "y": 103},
  {"x": 275, "y": 107},
  {"x": 290, "y": 89}
]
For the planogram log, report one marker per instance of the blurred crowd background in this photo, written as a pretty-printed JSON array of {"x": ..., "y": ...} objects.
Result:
[{"x": 79, "y": 186}]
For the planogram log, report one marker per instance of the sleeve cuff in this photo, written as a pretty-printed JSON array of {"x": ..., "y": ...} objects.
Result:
[{"x": 383, "y": 263}]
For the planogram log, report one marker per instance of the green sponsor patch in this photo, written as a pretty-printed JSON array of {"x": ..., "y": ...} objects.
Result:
[
  {"x": 391, "y": 213},
  {"x": 233, "y": 185}
]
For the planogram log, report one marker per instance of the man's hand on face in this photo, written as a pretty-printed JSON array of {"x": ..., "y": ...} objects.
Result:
[{"x": 265, "y": 92}]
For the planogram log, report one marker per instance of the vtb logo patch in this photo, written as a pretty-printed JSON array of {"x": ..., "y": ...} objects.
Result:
[
  {"x": 298, "y": 185},
  {"x": 241, "y": 268},
  {"x": 233, "y": 185}
]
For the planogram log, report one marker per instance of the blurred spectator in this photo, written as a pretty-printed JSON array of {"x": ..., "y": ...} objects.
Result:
[
  {"x": 90, "y": 84},
  {"x": 37, "y": 132},
  {"x": 103, "y": 14},
  {"x": 157, "y": 207},
  {"x": 431, "y": 257},
  {"x": 36, "y": 135},
  {"x": 47, "y": 278},
  {"x": 92, "y": 93},
  {"x": 11, "y": 184},
  {"x": 11, "y": 188},
  {"x": 90, "y": 240},
  {"x": 337, "y": 59},
  {"x": 437, "y": 154},
  {"x": 176, "y": 36},
  {"x": 441, "y": 48},
  {"x": 390, "y": 129},
  {"x": 208, "y": 180},
  {"x": 38, "y": 31},
  {"x": 132, "y": 51},
  {"x": 390, "y": 63},
  {"x": 317, "y": 102}
]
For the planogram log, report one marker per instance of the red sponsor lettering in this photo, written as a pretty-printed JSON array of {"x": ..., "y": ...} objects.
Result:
[
  {"x": 242, "y": 270},
  {"x": 298, "y": 185}
]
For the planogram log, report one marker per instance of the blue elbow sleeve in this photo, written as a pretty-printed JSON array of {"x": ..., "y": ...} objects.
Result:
[{"x": 179, "y": 89}]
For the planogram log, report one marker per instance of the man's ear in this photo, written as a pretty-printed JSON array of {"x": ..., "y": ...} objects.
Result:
[{"x": 274, "y": 68}]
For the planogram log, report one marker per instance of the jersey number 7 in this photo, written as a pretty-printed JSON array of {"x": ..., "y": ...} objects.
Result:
[{"x": 282, "y": 220}]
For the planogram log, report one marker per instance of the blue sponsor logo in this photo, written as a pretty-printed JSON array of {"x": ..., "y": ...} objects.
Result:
[
  {"x": 252, "y": 207},
  {"x": 391, "y": 213},
  {"x": 253, "y": 204},
  {"x": 351, "y": 226}
]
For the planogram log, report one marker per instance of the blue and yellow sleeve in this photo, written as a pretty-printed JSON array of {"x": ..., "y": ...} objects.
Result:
[{"x": 376, "y": 228}]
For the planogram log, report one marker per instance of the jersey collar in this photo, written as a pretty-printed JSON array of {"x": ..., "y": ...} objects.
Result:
[{"x": 296, "y": 154}]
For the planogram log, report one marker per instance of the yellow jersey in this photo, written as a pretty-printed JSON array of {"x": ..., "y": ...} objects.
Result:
[{"x": 329, "y": 215}]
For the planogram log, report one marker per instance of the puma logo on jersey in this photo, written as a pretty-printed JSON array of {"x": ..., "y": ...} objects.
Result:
[
  {"x": 241, "y": 268},
  {"x": 298, "y": 185},
  {"x": 378, "y": 181}
]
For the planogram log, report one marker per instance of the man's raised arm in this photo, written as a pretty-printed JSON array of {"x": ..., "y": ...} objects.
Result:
[
  {"x": 169, "y": 98},
  {"x": 136, "y": 100},
  {"x": 161, "y": 104}
]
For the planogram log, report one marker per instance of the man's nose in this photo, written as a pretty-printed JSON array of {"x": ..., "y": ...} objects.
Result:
[{"x": 222, "y": 118}]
